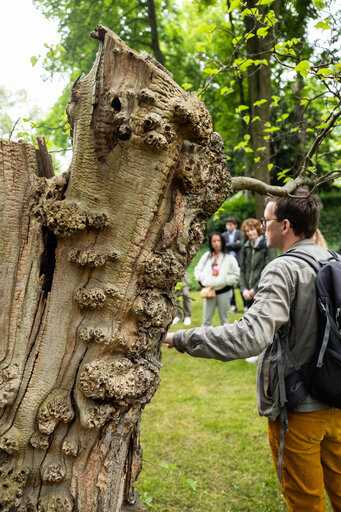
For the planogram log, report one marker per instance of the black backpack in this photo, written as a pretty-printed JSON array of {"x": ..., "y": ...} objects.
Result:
[{"x": 321, "y": 377}]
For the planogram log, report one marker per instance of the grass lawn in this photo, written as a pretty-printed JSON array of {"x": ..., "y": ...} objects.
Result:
[{"x": 203, "y": 425}]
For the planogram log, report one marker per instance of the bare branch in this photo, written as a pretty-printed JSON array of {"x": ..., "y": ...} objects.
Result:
[
  {"x": 258, "y": 186},
  {"x": 13, "y": 128},
  {"x": 320, "y": 138}
]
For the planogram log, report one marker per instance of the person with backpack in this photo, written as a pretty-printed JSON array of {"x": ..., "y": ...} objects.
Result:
[{"x": 300, "y": 350}]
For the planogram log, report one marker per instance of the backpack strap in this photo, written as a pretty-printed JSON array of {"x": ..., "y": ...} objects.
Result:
[
  {"x": 335, "y": 255},
  {"x": 315, "y": 264},
  {"x": 282, "y": 404}
]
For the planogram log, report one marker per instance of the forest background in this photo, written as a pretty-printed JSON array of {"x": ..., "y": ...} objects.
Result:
[{"x": 269, "y": 73}]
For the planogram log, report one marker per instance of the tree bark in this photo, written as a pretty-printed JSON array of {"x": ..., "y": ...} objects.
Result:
[{"x": 88, "y": 264}]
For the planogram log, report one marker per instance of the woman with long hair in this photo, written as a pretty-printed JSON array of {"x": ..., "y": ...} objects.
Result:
[{"x": 219, "y": 270}]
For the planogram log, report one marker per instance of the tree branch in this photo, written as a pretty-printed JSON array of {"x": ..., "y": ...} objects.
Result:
[{"x": 258, "y": 186}]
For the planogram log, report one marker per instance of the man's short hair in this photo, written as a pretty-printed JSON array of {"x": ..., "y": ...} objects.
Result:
[
  {"x": 302, "y": 211},
  {"x": 233, "y": 220}
]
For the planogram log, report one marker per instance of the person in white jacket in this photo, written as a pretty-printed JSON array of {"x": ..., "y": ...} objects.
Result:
[{"x": 218, "y": 269}]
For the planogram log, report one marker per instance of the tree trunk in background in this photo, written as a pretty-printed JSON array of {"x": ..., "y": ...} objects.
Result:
[
  {"x": 155, "y": 35},
  {"x": 259, "y": 80},
  {"x": 300, "y": 137},
  {"x": 88, "y": 265}
]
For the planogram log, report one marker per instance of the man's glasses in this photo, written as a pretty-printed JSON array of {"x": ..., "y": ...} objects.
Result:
[{"x": 263, "y": 221}]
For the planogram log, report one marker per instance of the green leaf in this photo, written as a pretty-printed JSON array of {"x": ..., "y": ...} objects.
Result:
[
  {"x": 324, "y": 71},
  {"x": 324, "y": 25},
  {"x": 264, "y": 2},
  {"x": 322, "y": 126},
  {"x": 255, "y": 118},
  {"x": 304, "y": 102},
  {"x": 186, "y": 86},
  {"x": 191, "y": 483},
  {"x": 211, "y": 71},
  {"x": 246, "y": 64},
  {"x": 34, "y": 61},
  {"x": 240, "y": 108},
  {"x": 272, "y": 129},
  {"x": 246, "y": 119},
  {"x": 270, "y": 166},
  {"x": 259, "y": 102},
  {"x": 303, "y": 67},
  {"x": 236, "y": 40},
  {"x": 164, "y": 465},
  {"x": 262, "y": 32},
  {"x": 204, "y": 28},
  {"x": 234, "y": 5},
  {"x": 256, "y": 160}
]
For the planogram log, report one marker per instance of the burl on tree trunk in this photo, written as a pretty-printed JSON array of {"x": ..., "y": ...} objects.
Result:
[{"x": 89, "y": 260}]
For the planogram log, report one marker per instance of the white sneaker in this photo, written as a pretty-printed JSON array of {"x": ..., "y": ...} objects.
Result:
[
  {"x": 187, "y": 320},
  {"x": 251, "y": 359},
  {"x": 176, "y": 320},
  {"x": 233, "y": 309}
]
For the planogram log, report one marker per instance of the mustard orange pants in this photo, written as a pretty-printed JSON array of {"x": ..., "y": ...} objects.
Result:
[{"x": 311, "y": 459}]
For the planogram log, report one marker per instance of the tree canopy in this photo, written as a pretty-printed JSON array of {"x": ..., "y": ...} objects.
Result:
[{"x": 268, "y": 71}]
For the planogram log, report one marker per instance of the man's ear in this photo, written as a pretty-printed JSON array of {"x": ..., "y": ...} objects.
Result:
[{"x": 286, "y": 225}]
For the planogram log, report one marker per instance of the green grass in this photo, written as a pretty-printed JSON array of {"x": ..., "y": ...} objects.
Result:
[{"x": 203, "y": 421}]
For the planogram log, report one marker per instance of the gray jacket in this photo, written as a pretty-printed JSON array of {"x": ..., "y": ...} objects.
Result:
[{"x": 286, "y": 300}]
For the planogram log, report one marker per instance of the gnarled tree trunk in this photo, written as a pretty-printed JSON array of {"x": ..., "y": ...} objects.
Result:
[{"x": 88, "y": 265}]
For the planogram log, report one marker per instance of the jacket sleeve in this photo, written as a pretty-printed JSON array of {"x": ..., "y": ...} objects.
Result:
[
  {"x": 199, "y": 269},
  {"x": 242, "y": 280},
  {"x": 233, "y": 270},
  {"x": 254, "y": 331}
]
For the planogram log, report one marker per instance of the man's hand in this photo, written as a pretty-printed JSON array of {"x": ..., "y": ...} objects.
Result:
[{"x": 169, "y": 339}]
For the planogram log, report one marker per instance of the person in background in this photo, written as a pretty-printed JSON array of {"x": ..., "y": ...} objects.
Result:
[
  {"x": 233, "y": 238},
  {"x": 233, "y": 243},
  {"x": 319, "y": 239},
  {"x": 255, "y": 256},
  {"x": 186, "y": 302},
  {"x": 220, "y": 270}
]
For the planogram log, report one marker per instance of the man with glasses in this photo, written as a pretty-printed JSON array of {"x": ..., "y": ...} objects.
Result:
[{"x": 285, "y": 303}]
